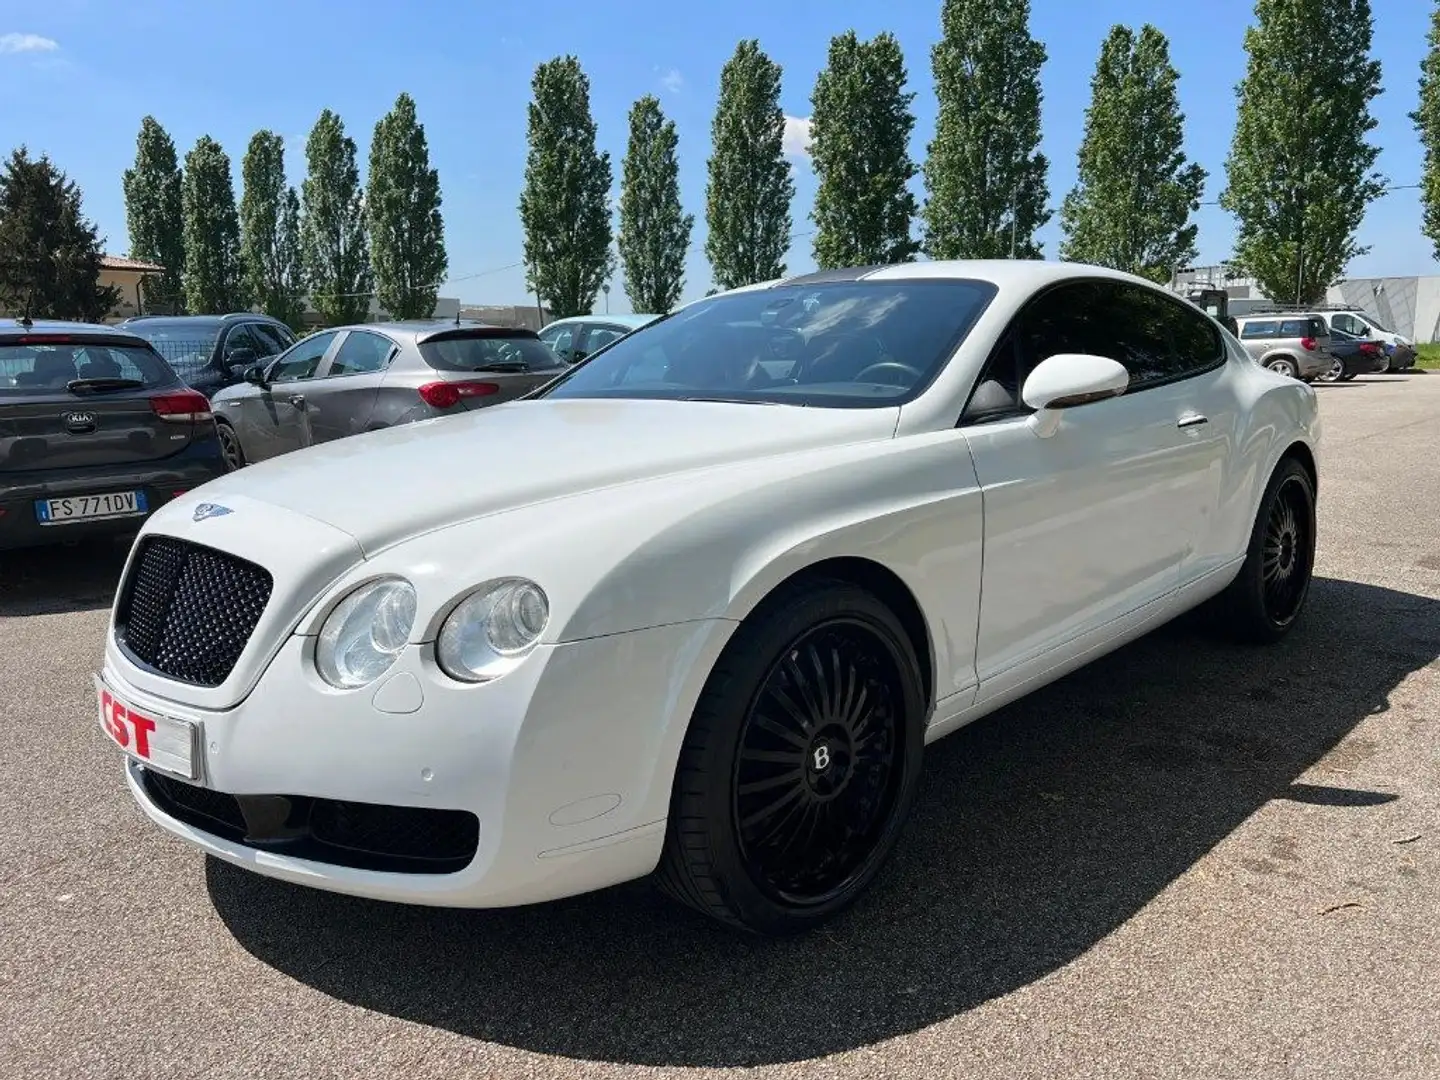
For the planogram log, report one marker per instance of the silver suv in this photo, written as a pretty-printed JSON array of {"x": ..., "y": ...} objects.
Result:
[{"x": 1297, "y": 345}]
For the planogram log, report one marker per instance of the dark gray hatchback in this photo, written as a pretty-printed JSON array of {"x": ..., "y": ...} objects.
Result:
[{"x": 96, "y": 433}]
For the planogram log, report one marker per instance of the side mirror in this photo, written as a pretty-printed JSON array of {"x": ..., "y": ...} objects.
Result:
[
  {"x": 255, "y": 375},
  {"x": 1069, "y": 379}
]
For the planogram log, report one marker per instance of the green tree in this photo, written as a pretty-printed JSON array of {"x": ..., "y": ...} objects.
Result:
[
  {"x": 269, "y": 239},
  {"x": 214, "y": 277},
  {"x": 747, "y": 199},
  {"x": 402, "y": 203},
  {"x": 564, "y": 206},
  {"x": 332, "y": 225},
  {"x": 860, "y": 137},
  {"x": 49, "y": 253},
  {"x": 154, "y": 218},
  {"x": 1300, "y": 171},
  {"x": 1427, "y": 122},
  {"x": 984, "y": 174},
  {"x": 1131, "y": 208},
  {"x": 654, "y": 231}
]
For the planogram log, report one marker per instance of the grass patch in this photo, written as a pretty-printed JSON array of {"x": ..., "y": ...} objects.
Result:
[{"x": 1428, "y": 357}]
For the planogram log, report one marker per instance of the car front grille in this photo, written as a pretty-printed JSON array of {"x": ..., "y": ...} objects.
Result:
[
  {"x": 187, "y": 611},
  {"x": 363, "y": 836}
]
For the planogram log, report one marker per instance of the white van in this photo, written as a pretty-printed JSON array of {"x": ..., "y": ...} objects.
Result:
[{"x": 1399, "y": 349}]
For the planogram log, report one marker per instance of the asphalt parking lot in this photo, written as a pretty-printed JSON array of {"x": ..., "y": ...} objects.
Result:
[{"x": 1186, "y": 860}]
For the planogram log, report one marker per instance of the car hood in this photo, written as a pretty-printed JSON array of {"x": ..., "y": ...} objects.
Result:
[{"x": 384, "y": 486}]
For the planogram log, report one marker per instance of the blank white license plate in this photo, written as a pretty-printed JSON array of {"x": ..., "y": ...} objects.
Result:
[
  {"x": 90, "y": 507},
  {"x": 149, "y": 737}
]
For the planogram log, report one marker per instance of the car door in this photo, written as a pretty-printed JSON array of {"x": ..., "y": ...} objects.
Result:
[
  {"x": 274, "y": 420},
  {"x": 1095, "y": 520},
  {"x": 342, "y": 396}
]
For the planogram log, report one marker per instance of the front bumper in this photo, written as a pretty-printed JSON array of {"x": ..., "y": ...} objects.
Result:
[
  {"x": 161, "y": 481},
  {"x": 565, "y": 762}
]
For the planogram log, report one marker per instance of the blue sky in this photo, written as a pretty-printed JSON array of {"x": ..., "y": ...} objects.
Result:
[{"x": 76, "y": 76}]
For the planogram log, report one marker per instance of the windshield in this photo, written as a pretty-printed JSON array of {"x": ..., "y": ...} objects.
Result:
[
  {"x": 35, "y": 369},
  {"x": 477, "y": 350},
  {"x": 860, "y": 344},
  {"x": 188, "y": 345}
]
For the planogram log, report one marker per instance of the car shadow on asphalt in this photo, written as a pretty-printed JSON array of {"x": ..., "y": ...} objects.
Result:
[
  {"x": 1038, "y": 831},
  {"x": 64, "y": 577}
]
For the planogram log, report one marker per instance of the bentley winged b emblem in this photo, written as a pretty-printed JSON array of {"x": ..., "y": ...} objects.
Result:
[{"x": 211, "y": 510}]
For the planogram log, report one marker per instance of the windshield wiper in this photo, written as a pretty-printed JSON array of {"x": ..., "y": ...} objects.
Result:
[
  {"x": 82, "y": 386},
  {"x": 734, "y": 400},
  {"x": 503, "y": 366}
]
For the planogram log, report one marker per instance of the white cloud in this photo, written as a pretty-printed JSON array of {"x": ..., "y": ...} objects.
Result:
[
  {"x": 26, "y": 43},
  {"x": 672, "y": 81},
  {"x": 796, "y": 142}
]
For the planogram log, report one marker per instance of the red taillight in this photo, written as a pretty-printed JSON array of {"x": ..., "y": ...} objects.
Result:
[
  {"x": 1308, "y": 344},
  {"x": 181, "y": 407},
  {"x": 1369, "y": 348},
  {"x": 444, "y": 395},
  {"x": 46, "y": 339}
]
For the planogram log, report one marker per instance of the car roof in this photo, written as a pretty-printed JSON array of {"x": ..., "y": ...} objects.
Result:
[
  {"x": 213, "y": 319},
  {"x": 415, "y": 331},
  {"x": 13, "y": 327},
  {"x": 633, "y": 320}
]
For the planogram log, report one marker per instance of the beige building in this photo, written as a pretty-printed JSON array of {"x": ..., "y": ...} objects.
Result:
[{"x": 126, "y": 275}]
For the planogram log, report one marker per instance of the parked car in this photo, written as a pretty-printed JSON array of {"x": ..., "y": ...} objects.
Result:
[
  {"x": 577, "y": 337},
  {"x": 211, "y": 352},
  {"x": 1353, "y": 356},
  {"x": 702, "y": 619},
  {"x": 96, "y": 433},
  {"x": 1399, "y": 350},
  {"x": 361, "y": 378},
  {"x": 1297, "y": 345}
]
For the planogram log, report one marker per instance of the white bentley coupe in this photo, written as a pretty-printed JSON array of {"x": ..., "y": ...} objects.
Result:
[{"x": 695, "y": 607}]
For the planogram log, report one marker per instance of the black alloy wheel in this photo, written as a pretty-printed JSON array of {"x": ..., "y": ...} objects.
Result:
[
  {"x": 800, "y": 763},
  {"x": 816, "y": 778},
  {"x": 1267, "y": 596},
  {"x": 1288, "y": 551},
  {"x": 230, "y": 448}
]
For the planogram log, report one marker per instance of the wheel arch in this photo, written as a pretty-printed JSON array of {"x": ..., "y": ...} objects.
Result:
[
  {"x": 1300, "y": 451},
  {"x": 882, "y": 582}
]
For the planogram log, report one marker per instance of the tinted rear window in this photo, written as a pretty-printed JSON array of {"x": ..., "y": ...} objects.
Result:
[
  {"x": 45, "y": 369},
  {"x": 471, "y": 352},
  {"x": 186, "y": 345},
  {"x": 1257, "y": 330},
  {"x": 1313, "y": 327}
]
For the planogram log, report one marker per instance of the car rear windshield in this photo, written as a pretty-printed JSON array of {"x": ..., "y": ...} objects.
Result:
[
  {"x": 187, "y": 345},
  {"x": 27, "y": 368},
  {"x": 479, "y": 350},
  {"x": 850, "y": 344}
]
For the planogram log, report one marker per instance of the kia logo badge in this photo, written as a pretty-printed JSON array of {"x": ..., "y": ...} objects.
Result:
[{"x": 79, "y": 421}]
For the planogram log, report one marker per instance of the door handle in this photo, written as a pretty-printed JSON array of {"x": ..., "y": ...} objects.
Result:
[
  {"x": 298, "y": 400},
  {"x": 1192, "y": 420}
]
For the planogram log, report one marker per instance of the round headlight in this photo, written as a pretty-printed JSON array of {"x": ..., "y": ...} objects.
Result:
[
  {"x": 365, "y": 633},
  {"x": 494, "y": 625}
]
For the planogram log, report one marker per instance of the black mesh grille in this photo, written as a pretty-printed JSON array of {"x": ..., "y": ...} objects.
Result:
[
  {"x": 188, "y": 611},
  {"x": 408, "y": 831}
]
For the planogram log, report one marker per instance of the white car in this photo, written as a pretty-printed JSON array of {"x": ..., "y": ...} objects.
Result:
[{"x": 696, "y": 606}]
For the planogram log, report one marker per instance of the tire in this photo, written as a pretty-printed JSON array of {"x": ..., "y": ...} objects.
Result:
[
  {"x": 1264, "y": 602},
  {"x": 230, "y": 447},
  {"x": 798, "y": 760},
  {"x": 1349, "y": 376},
  {"x": 1335, "y": 373},
  {"x": 1283, "y": 365}
]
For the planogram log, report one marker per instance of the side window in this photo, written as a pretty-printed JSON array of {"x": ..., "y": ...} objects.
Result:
[
  {"x": 360, "y": 353},
  {"x": 239, "y": 342},
  {"x": 1252, "y": 330},
  {"x": 274, "y": 340},
  {"x": 562, "y": 341},
  {"x": 301, "y": 361},
  {"x": 600, "y": 336},
  {"x": 1195, "y": 343},
  {"x": 1350, "y": 324}
]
